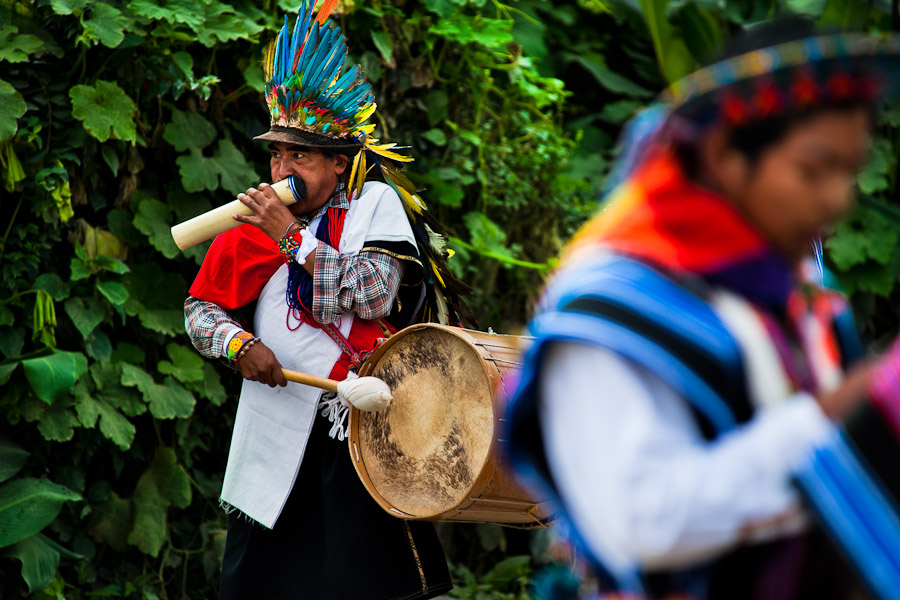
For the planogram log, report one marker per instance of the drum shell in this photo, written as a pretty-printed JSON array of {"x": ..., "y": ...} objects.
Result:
[{"x": 494, "y": 496}]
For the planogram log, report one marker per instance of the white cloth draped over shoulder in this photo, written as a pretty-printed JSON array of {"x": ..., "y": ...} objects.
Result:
[{"x": 272, "y": 425}]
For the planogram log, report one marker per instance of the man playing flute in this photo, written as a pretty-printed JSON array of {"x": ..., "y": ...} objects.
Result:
[{"x": 313, "y": 287}]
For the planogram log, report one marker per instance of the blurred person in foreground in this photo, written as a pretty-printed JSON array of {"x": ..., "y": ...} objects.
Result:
[{"x": 693, "y": 400}]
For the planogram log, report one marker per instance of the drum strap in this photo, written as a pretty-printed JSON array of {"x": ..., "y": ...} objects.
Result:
[{"x": 334, "y": 332}]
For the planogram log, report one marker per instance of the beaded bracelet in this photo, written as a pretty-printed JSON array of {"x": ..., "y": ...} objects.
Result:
[
  {"x": 289, "y": 244},
  {"x": 237, "y": 343},
  {"x": 245, "y": 348}
]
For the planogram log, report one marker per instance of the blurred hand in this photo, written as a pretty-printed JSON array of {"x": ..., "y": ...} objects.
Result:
[
  {"x": 259, "y": 364},
  {"x": 269, "y": 213},
  {"x": 838, "y": 403}
]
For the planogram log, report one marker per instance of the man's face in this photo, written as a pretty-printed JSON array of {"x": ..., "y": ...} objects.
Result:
[
  {"x": 319, "y": 172},
  {"x": 802, "y": 185}
]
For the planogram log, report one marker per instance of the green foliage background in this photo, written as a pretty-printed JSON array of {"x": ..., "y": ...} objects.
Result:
[{"x": 119, "y": 119}]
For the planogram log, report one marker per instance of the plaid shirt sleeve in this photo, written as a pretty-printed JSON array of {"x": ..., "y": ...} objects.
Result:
[
  {"x": 366, "y": 284},
  {"x": 209, "y": 326}
]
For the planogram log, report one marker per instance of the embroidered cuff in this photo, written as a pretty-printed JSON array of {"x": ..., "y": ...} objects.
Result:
[{"x": 237, "y": 344}]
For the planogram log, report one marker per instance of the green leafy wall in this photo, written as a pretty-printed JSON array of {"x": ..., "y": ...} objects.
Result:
[{"x": 119, "y": 119}]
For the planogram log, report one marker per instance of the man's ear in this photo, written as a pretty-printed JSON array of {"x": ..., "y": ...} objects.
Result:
[
  {"x": 340, "y": 163},
  {"x": 722, "y": 167}
]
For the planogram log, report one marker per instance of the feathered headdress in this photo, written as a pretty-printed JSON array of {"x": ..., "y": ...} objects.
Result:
[{"x": 313, "y": 101}]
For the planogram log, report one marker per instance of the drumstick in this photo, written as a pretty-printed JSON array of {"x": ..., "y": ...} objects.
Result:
[
  {"x": 365, "y": 393},
  {"x": 219, "y": 220},
  {"x": 318, "y": 382}
]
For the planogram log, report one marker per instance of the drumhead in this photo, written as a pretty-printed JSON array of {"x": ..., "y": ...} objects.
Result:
[{"x": 424, "y": 452}]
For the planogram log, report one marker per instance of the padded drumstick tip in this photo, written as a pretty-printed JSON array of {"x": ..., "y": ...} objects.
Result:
[{"x": 365, "y": 393}]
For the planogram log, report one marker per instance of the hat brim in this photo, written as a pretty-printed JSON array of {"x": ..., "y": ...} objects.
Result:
[{"x": 292, "y": 135}]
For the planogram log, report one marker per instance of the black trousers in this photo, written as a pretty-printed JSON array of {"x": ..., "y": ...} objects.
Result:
[{"x": 332, "y": 541}]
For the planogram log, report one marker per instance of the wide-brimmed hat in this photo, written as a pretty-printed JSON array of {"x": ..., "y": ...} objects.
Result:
[
  {"x": 292, "y": 135},
  {"x": 314, "y": 101}
]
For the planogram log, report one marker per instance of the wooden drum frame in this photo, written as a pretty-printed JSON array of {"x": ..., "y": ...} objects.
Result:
[{"x": 436, "y": 453}]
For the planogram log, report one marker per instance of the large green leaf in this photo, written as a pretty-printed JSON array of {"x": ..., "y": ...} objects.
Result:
[
  {"x": 93, "y": 408},
  {"x": 154, "y": 219},
  {"x": 54, "y": 375},
  {"x": 186, "y": 365},
  {"x": 12, "y": 459},
  {"x": 12, "y": 106},
  {"x": 198, "y": 172},
  {"x": 6, "y": 372},
  {"x": 106, "y": 23},
  {"x": 865, "y": 235},
  {"x": 492, "y": 33},
  {"x": 165, "y": 483},
  {"x": 212, "y": 386},
  {"x": 68, "y": 7},
  {"x": 156, "y": 298},
  {"x": 15, "y": 47},
  {"x": 57, "y": 423},
  {"x": 189, "y": 131},
  {"x": 28, "y": 505},
  {"x": 220, "y": 24},
  {"x": 39, "y": 560},
  {"x": 166, "y": 401},
  {"x": 848, "y": 15},
  {"x": 105, "y": 109},
  {"x": 672, "y": 54},
  {"x": 236, "y": 172},
  {"x": 112, "y": 521},
  {"x": 106, "y": 377},
  {"x": 874, "y": 177},
  {"x": 610, "y": 79},
  {"x": 53, "y": 284},
  {"x": 173, "y": 11},
  {"x": 385, "y": 45},
  {"x": 113, "y": 291},
  {"x": 700, "y": 31},
  {"x": 86, "y": 313}
]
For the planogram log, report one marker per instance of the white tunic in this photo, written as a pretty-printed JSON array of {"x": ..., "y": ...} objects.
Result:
[
  {"x": 643, "y": 488},
  {"x": 272, "y": 425}
]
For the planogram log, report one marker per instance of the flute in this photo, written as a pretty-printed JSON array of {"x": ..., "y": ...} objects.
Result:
[{"x": 219, "y": 220}]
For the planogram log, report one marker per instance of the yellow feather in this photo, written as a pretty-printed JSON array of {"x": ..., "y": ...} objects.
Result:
[
  {"x": 353, "y": 170},
  {"x": 361, "y": 173},
  {"x": 365, "y": 113},
  {"x": 414, "y": 202},
  {"x": 436, "y": 272}
]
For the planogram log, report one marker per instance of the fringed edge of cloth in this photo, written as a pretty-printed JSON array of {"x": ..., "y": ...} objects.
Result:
[
  {"x": 337, "y": 409},
  {"x": 230, "y": 508}
]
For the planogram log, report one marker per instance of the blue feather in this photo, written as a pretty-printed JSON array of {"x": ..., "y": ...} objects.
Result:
[
  {"x": 295, "y": 39},
  {"x": 325, "y": 46},
  {"x": 308, "y": 49},
  {"x": 324, "y": 73},
  {"x": 279, "y": 56}
]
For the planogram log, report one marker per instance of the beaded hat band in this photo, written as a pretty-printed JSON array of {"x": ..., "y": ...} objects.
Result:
[{"x": 830, "y": 69}]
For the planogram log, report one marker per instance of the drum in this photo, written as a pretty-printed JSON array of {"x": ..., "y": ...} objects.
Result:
[{"x": 435, "y": 453}]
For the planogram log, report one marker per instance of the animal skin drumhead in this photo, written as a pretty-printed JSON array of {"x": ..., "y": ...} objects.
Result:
[{"x": 425, "y": 451}]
